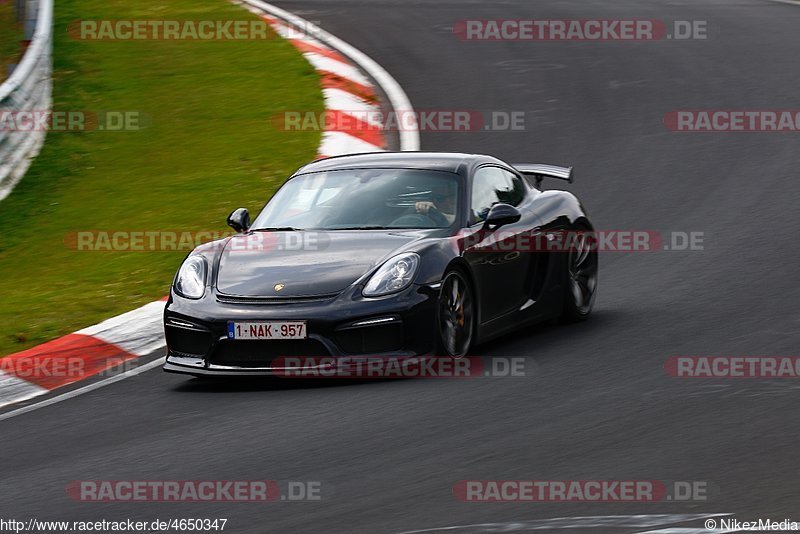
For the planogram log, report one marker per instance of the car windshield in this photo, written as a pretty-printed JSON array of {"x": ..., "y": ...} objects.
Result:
[{"x": 363, "y": 199}]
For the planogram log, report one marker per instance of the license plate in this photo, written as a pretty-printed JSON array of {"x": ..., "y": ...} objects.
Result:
[{"x": 267, "y": 330}]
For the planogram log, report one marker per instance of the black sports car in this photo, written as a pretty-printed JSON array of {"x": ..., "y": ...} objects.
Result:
[{"x": 383, "y": 254}]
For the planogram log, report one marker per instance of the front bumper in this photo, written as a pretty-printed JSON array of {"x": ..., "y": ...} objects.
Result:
[{"x": 347, "y": 326}]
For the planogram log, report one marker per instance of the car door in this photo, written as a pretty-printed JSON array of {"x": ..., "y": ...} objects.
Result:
[{"x": 498, "y": 257}]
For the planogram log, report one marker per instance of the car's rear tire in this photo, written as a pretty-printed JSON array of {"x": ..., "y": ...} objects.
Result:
[
  {"x": 455, "y": 315},
  {"x": 580, "y": 284}
]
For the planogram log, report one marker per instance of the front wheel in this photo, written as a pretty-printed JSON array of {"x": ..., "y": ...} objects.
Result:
[
  {"x": 455, "y": 315},
  {"x": 581, "y": 277}
]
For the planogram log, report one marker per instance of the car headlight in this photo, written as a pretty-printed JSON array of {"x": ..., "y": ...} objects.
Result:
[
  {"x": 191, "y": 279},
  {"x": 394, "y": 275}
]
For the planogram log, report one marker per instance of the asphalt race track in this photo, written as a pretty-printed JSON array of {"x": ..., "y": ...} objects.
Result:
[{"x": 596, "y": 402}]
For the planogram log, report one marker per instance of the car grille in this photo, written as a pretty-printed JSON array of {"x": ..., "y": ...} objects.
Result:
[
  {"x": 371, "y": 339},
  {"x": 240, "y": 353},
  {"x": 235, "y": 299},
  {"x": 187, "y": 341}
]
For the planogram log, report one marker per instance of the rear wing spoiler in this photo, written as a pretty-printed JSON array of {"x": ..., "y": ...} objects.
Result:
[{"x": 535, "y": 173}]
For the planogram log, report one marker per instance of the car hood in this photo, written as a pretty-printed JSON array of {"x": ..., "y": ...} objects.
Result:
[{"x": 303, "y": 263}]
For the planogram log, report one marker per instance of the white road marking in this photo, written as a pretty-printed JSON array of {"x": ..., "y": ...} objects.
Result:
[
  {"x": 13, "y": 389},
  {"x": 86, "y": 389},
  {"x": 138, "y": 332},
  {"x": 294, "y": 34},
  {"x": 350, "y": 104},
  {"x": 334, "y": 143},
  {"x": 409, "y": 137},
  {"x": 320, "y": 62}
]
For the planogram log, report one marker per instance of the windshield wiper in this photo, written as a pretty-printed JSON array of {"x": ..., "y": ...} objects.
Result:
[{"x": 278, "y": 229}]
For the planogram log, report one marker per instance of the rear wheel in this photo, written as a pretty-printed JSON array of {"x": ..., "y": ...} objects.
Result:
[
  {"x": 581, "y": 277},
  {"x": 455, "y": 315}
]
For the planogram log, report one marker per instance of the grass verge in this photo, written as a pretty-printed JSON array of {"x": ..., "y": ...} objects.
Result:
[
  {"x": 11, "y": 35},
  {"x": 209, "y": 146}
]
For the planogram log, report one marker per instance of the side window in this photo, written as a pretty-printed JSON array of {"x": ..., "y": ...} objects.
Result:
[{"x": 491, "y": 185}]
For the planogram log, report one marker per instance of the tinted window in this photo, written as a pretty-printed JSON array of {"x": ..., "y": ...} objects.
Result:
[{"x": 492, "y": 185}]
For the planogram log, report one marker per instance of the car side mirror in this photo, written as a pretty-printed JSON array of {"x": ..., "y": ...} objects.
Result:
[
  {"x": 501, "y": 214},
  {"x": 239, "y": 220}
]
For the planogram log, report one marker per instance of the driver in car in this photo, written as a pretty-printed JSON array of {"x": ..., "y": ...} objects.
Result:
[{"x": 442, "y": 211}]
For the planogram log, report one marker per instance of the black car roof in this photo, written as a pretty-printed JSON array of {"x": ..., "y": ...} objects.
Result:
[{"x": 439, "y": 161}]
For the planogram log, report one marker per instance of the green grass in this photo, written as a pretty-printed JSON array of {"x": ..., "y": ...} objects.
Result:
[
  {"x": 209, "y": 147},
  {"x": 11, "y": 35}
]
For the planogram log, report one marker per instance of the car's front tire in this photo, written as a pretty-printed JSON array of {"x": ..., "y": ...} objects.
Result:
[{"x": 455, "y": 315}]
